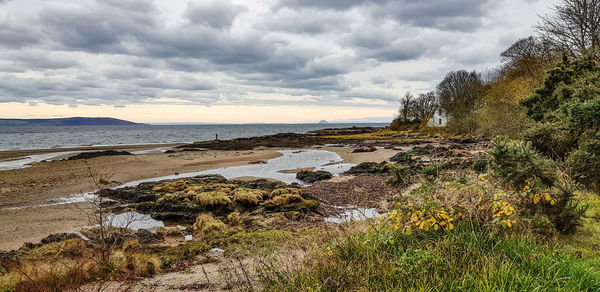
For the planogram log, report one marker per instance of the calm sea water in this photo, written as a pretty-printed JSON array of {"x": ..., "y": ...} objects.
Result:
[{"x": 19, "y": 138}]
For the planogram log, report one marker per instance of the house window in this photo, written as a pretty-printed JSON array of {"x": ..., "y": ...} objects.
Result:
[
  {"x": 440, "y": 121},
  {"x": 440, "y": 112}
]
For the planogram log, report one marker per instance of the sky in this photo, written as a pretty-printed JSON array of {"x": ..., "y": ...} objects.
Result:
[{"x": 218, "y": 61}]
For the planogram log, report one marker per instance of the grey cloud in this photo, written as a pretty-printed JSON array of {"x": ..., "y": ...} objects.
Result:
[
  {"x": 215, "y": 13},
  {"x": 123, "y": 52},
  {"x": 329, "y": 4},
  {"x": 296, "y": 22},
  {"x": 17, "y": 35},
  {"x": 459, "y": 15}
]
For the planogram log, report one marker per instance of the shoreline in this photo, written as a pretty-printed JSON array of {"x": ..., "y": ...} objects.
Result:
[
  {"x": 55, "y": 179},
  {"x": 7, "y": 155}
]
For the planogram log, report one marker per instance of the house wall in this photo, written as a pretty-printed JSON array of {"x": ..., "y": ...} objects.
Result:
[{"x": 439, "y": 119}]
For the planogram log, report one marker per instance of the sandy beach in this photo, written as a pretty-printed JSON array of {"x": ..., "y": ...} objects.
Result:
[{"x": 22, "y": 189}]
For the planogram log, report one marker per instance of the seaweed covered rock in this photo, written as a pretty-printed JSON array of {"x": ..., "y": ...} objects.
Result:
[
  {"x": 249, "y": 197},
  {"x": 90, "y": 155},
  {"x": 309, "y": 176},
  {"x": 402, "y": 157},
  {"x": 186, "y": 199},
  {"x": 289, "y": 199},
  {"x": 364, "y": 149},
  {"x": 371, "y": 168},
  {"x": 58, "y": 237}
]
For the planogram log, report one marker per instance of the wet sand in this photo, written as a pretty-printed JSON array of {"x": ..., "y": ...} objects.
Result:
[
  {"x": 8, "y": 155},
  {"x": 36, "y": 184}
]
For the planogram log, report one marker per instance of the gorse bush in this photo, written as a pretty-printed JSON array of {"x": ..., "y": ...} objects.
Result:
[
  {"x": 567, "y": 108},
  {"x": 551, "y": 139},
  {"x": 516, "y": 163},
  {"x": 522, "y": 168},
  {"x": 583, "y": 164}
]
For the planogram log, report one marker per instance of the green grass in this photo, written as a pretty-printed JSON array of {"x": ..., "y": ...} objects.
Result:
[{"x": 465, "y": 259}]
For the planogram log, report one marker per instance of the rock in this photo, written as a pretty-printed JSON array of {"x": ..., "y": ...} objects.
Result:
[
  {"x": 145, "y": 236},
  {"x": 170, "y": 151},
  {"x": 309, "y": 176},
  {"x": 370, "y": 168},
  {"x": 58, "y": 237},
  {"x": 89, "y": 155},
  {"x": 402, "y": 157},
  {"x": 364, "y": 149},
  {"x": 215, "y": 252},
  {"x": 192, "y": 150},
  {"x": 27, "y": 246}
]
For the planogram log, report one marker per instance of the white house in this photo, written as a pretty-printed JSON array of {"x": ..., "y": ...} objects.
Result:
[{"x": 439, "y": 119}]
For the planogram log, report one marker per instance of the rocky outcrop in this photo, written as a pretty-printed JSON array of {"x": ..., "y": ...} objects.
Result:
[
  {"x": 309, "y": 176},
  {"x": 364, "y": 149},
  {"x": 184, "y": 199}
]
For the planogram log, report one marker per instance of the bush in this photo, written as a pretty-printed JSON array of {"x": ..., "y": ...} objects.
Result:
[
  {"x": 551, "y": 139},
  {"x": 516, "y": 163},
  {"x": 584, "y": 163}
]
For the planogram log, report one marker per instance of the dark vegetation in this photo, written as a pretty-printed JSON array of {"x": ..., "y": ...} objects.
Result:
[{"x": 90, "y": 155}]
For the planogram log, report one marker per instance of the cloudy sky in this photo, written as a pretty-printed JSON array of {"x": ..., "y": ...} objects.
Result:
[{"x": 221, "y": 61}]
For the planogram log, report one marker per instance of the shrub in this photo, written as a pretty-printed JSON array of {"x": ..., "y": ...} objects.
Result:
[
  {"x": 516, "y": 162},
  {"x": 551, "y": 139},
  {"x": 584, "y": 163}
]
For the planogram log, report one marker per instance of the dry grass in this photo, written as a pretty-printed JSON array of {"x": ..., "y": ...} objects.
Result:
[
  {"x": 212, "y": 199},
  {"x": 206, "y": 224},
  {"x": 249, "y": 197},
  {"x": 281, "y": 191}
]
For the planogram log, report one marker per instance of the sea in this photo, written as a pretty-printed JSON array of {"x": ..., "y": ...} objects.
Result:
[{"x": 26, "y": 138}]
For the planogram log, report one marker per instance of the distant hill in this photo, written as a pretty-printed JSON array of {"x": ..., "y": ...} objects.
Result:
[
  {"x": 67, "y": 122},
  {"x": 323, "y": 122}
]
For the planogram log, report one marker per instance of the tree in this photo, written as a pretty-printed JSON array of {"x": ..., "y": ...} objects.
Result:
[
  {"x": 405, "y": 105},
  {"x": 528, "y": 57},
  {"x": 574, "y": 28},
  {"x": 425, "y": 106},
  {"x": 459, "y": 94}
]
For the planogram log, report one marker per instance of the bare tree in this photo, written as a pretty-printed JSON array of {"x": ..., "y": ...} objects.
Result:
[
  {"x": 574, "y": 28},
  {"x": 405, "y": 105},
  {"x": 425, "y": 105},
  {"x": 459, "y": 95}
]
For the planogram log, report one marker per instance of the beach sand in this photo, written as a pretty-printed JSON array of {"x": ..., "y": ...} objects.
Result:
[{"x": 21, "y": 189}]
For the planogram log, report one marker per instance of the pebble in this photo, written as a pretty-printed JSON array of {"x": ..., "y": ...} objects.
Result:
[{"x": 216, "y": 252}]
